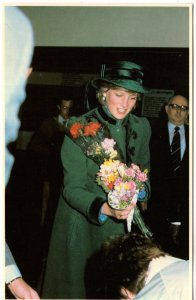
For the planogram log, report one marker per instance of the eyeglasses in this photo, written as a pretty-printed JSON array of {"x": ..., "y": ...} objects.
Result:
[{"x": 180, "y": 107}]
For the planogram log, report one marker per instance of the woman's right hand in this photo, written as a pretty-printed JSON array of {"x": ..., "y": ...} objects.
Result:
[{"x": 116, "y": 213}]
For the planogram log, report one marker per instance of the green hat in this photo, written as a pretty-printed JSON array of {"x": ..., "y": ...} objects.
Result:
[{"x": 125, "y": 74}]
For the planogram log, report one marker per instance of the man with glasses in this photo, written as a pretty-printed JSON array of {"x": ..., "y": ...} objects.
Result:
[
  {"x": 177, "y": 110},
  {"x": 169, "y": 204}
]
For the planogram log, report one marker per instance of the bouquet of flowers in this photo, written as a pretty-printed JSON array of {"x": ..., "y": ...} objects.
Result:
[
  {"x": 123, "y": 183},
  {"x": 120, "y": 182}
]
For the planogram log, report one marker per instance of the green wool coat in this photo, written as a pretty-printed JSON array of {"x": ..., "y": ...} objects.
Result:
[{"x": 77, "y": 230}]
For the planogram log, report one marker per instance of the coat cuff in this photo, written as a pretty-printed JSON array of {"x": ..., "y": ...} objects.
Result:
[
  {"x": 144, "y": 194},
  {"x": 94, "y": 212}
]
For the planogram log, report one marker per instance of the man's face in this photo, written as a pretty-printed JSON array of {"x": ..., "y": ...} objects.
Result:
[
  {"x": 177, "y": 110},
  {"x": 64, "y": 108}
]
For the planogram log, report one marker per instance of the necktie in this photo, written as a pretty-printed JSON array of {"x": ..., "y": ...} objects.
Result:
[
  {"x": 175, "y": 149},
  {"x": 65, "y": 123}
]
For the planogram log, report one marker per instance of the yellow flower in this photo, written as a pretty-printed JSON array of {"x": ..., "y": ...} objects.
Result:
[
  {"x": 112, "y": 177},
  {"x": 126, "y": 186},
  {"x": 108, "y": 163}
]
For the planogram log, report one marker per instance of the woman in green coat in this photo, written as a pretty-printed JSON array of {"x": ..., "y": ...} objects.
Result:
[{"x": 84, "y": 219}]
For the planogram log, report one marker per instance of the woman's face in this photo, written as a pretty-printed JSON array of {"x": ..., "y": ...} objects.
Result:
[{"x": 120, "y": 102}]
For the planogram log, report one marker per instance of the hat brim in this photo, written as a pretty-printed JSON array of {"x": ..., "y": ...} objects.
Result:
[{"x": 123, "y": 83}]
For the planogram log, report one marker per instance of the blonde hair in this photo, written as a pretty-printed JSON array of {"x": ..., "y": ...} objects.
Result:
[{"x": 106, "y": 87}]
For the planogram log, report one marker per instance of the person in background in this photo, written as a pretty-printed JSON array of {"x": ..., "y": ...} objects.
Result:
[
  {"x": 135, "y": 267},
  {"x": 169, "y": 203},
  {"x": 18, "y": 51},
  {"x": 84, "y": 219},
  {"x": 44, "y": 149}
]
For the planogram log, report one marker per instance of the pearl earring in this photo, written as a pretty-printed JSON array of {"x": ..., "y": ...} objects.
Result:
[{"x": 103, "y": 99}]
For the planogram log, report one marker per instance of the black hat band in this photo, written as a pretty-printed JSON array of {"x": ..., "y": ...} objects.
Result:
[{"x": 116, "y": 74}]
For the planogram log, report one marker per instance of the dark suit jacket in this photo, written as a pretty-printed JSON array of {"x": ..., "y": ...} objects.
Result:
[
  {"x": 169, "y": 200},
  {"x": 161, "y": 164},
  {"x": 45, "y": 146}
]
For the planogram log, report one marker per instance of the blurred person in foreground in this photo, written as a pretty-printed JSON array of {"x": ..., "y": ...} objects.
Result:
[
  {"x": 135, "y": 267},
  {"x": 18, "y": 51}
]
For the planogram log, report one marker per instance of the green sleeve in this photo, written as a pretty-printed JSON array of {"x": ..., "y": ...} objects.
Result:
[{"x": 80, "y": 190}]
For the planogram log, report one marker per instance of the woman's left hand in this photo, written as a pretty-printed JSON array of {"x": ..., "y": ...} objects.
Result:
[{"x": 116, "y": 213}]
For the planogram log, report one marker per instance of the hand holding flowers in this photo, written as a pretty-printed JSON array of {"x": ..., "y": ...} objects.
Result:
[{"x": 120, "y": 214}]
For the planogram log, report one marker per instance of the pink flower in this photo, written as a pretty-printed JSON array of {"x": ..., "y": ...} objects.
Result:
[
  {"x": 108, "y": 143},
  {"x": 130, "y": 172},
  {"x": 135, "y": 167},
  {"x": 118, "y": 181},
  {"x": 132, "y": 185},
  {"x": 141, "y": 176}
]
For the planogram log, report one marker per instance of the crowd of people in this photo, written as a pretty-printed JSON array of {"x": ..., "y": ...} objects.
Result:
[{"x": 93, "y": 245}]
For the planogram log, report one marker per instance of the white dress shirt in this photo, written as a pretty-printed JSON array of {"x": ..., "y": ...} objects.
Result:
[
  {"x": 171, "y": 128},
  {"x": 169, "y": 278}
]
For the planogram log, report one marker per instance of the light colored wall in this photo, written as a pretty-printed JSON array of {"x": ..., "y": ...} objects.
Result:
[{"x": 110, "y": 26}]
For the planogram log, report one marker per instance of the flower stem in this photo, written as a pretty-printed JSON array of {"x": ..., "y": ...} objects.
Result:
[{"x": 139, "y": 221}]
